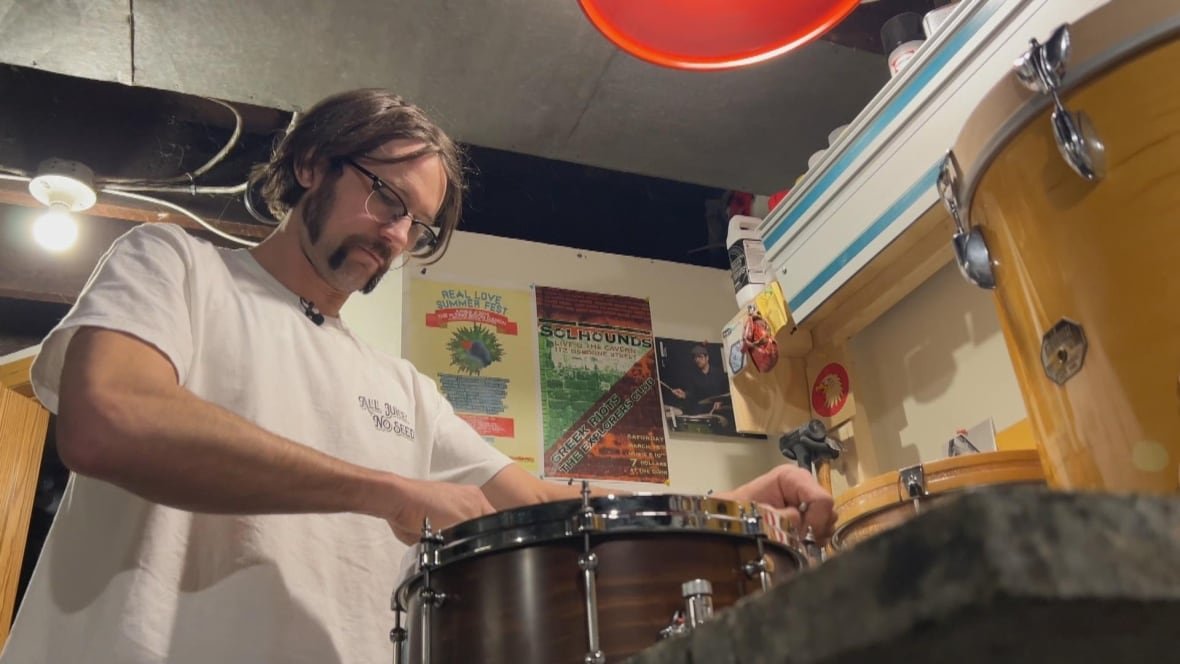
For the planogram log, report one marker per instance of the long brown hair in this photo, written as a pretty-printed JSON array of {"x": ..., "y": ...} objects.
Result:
[{"x": 351, "y": 124}]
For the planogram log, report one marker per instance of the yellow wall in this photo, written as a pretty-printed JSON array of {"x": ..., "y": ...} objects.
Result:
[{"x": 932, "y": 364}]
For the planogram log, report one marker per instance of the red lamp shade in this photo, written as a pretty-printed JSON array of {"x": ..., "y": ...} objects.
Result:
[{"x": 713, "y": 34}]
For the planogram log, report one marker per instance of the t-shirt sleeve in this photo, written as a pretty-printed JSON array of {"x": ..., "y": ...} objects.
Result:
[
  {"x": 459, "y": 454},
  {"x": 140, "y": 287}
]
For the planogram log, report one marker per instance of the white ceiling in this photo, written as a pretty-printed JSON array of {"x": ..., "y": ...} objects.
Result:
[{"x": 530, "y": 76}]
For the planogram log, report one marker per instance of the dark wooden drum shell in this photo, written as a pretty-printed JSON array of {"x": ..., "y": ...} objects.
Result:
[{"x": 526, "y": 603}]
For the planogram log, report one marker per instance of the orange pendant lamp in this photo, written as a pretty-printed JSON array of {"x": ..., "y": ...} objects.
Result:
[{"x": 713, "y": 34}]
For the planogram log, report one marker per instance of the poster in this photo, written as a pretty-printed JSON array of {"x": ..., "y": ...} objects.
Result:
[
  {"x": 694, "y": 388},
  {"x": 477, "y": 345},
  {"x": 600, "y": 405}
]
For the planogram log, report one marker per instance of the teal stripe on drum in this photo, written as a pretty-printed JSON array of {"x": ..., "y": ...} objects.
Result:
[
  {"x": 907, "y": 94},
  {"x": 907, "y": 200}
]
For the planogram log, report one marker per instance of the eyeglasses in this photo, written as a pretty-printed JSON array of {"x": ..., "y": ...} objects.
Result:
[{"x": 385, "y": 205}]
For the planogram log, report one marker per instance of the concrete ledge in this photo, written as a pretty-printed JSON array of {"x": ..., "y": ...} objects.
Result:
[{"x": 1011, "y": 574}]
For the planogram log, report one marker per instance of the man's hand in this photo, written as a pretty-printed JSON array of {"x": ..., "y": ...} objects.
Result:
[
  {"x": 795, "y": 494},
  {"x": 680, "y": 394},
  {"x": 444, "y": 503}
]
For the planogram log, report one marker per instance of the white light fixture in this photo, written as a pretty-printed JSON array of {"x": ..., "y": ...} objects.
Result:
[{"x": 65, "y": 187}]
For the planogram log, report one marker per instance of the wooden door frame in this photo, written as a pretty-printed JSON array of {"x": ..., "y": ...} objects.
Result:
[{"x": 24, "y": 443}]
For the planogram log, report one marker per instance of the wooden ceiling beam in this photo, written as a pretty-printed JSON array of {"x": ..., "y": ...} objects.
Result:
[{"x": 17, "y": 193}]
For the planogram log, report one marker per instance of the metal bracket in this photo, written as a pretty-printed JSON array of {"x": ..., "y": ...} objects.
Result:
[
  {"x": 948, "y": 190},
  {"x": 913, "y": 481},
  {"x": 398, "y": 636},
  {"x": 588, "y": 563},
  {"x": 971, "y": 252},
  {"x": 758, "y": 569},
  {"x": 428, "y": 560},
  {"x": 912, "y": 484},
  {"x": 1042, "y": 69}
]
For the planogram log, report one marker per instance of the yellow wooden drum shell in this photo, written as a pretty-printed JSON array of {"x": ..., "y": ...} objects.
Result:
[
  {"x": 1106, "y": 256},
  {"x": 881, "y": 502}
]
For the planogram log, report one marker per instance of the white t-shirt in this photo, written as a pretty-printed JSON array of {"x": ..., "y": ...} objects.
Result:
[{"x": 125, "y": 580}]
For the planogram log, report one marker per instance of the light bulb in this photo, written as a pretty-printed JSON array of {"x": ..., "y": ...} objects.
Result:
[{"x": 55, "y": 230}]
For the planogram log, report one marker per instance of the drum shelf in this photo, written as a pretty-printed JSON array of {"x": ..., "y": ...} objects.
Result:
[{"x": 878, "y": 179}]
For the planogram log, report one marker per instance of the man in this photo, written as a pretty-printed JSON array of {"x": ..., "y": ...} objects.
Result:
[
  {"x": 244, "y": 465},
  {"x": 705, "y": 387}
]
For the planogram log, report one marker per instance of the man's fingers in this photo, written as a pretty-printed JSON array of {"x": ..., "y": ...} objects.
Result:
[
  {"x": 485, "y": 506},
  {"x": 405, "y": 537},
  {"x": 799, "y": 489},
  {"x": 792, "y": 516},
  {"x": 819, "y": 515}
]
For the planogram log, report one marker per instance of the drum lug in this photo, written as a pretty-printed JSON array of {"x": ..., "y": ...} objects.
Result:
[
  {"x": 971, "y": 252},
  {"x": 815, "y": 552},
  {"x": 911, "y": 483},
  {"x": 974, "y": 258},
  {"x": 1042, "y": 70},
  {"x": 1063, "y": 351},
  {"x": 1078, "y": 143},
  {"x": 760, "y": 569}
]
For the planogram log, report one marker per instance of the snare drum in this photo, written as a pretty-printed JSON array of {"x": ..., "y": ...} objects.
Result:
[
  {"x": 888, "y": 500},
  {"x": 1065, "y": 190},
  {"x": 584, "y": 581},
  {"x": 705, "y": 424}
]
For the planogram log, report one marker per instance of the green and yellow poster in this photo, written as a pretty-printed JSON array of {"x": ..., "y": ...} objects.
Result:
[
  {"x": 600, "y": 402},
  {"x": 477, "y": 344}
]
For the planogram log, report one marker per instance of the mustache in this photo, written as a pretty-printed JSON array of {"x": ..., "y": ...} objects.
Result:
[{"x": 376, "y": 247}]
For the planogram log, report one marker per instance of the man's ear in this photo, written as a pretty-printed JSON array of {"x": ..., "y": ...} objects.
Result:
[{"x": 309, "y": 171}]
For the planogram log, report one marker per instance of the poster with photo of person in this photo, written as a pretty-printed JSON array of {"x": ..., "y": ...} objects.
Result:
[{"x": 694, "y": 388}]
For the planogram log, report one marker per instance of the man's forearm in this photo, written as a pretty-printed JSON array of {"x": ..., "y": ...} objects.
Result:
[{"x": 176, "y": 449}]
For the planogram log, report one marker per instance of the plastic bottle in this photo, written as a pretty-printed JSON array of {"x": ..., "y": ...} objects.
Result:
[
  {"x": 902, "y": 36},
  {"x": 747, "y": 258}
]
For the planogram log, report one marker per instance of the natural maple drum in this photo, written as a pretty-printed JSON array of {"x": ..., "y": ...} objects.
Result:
[
  {"x": 887, "y": 500},
  {"x": 1065, "y": 188}
]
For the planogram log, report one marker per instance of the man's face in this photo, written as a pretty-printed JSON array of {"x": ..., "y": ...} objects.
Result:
[
  {"x": 702, "y": 361},
  {"x": 349, "y": 247}
]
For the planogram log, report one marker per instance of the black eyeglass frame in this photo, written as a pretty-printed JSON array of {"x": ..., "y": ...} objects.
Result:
[{"x": 429, "y": 235}]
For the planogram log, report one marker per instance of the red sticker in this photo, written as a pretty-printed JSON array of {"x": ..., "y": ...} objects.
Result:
[{"x": 830, "y": 391}]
